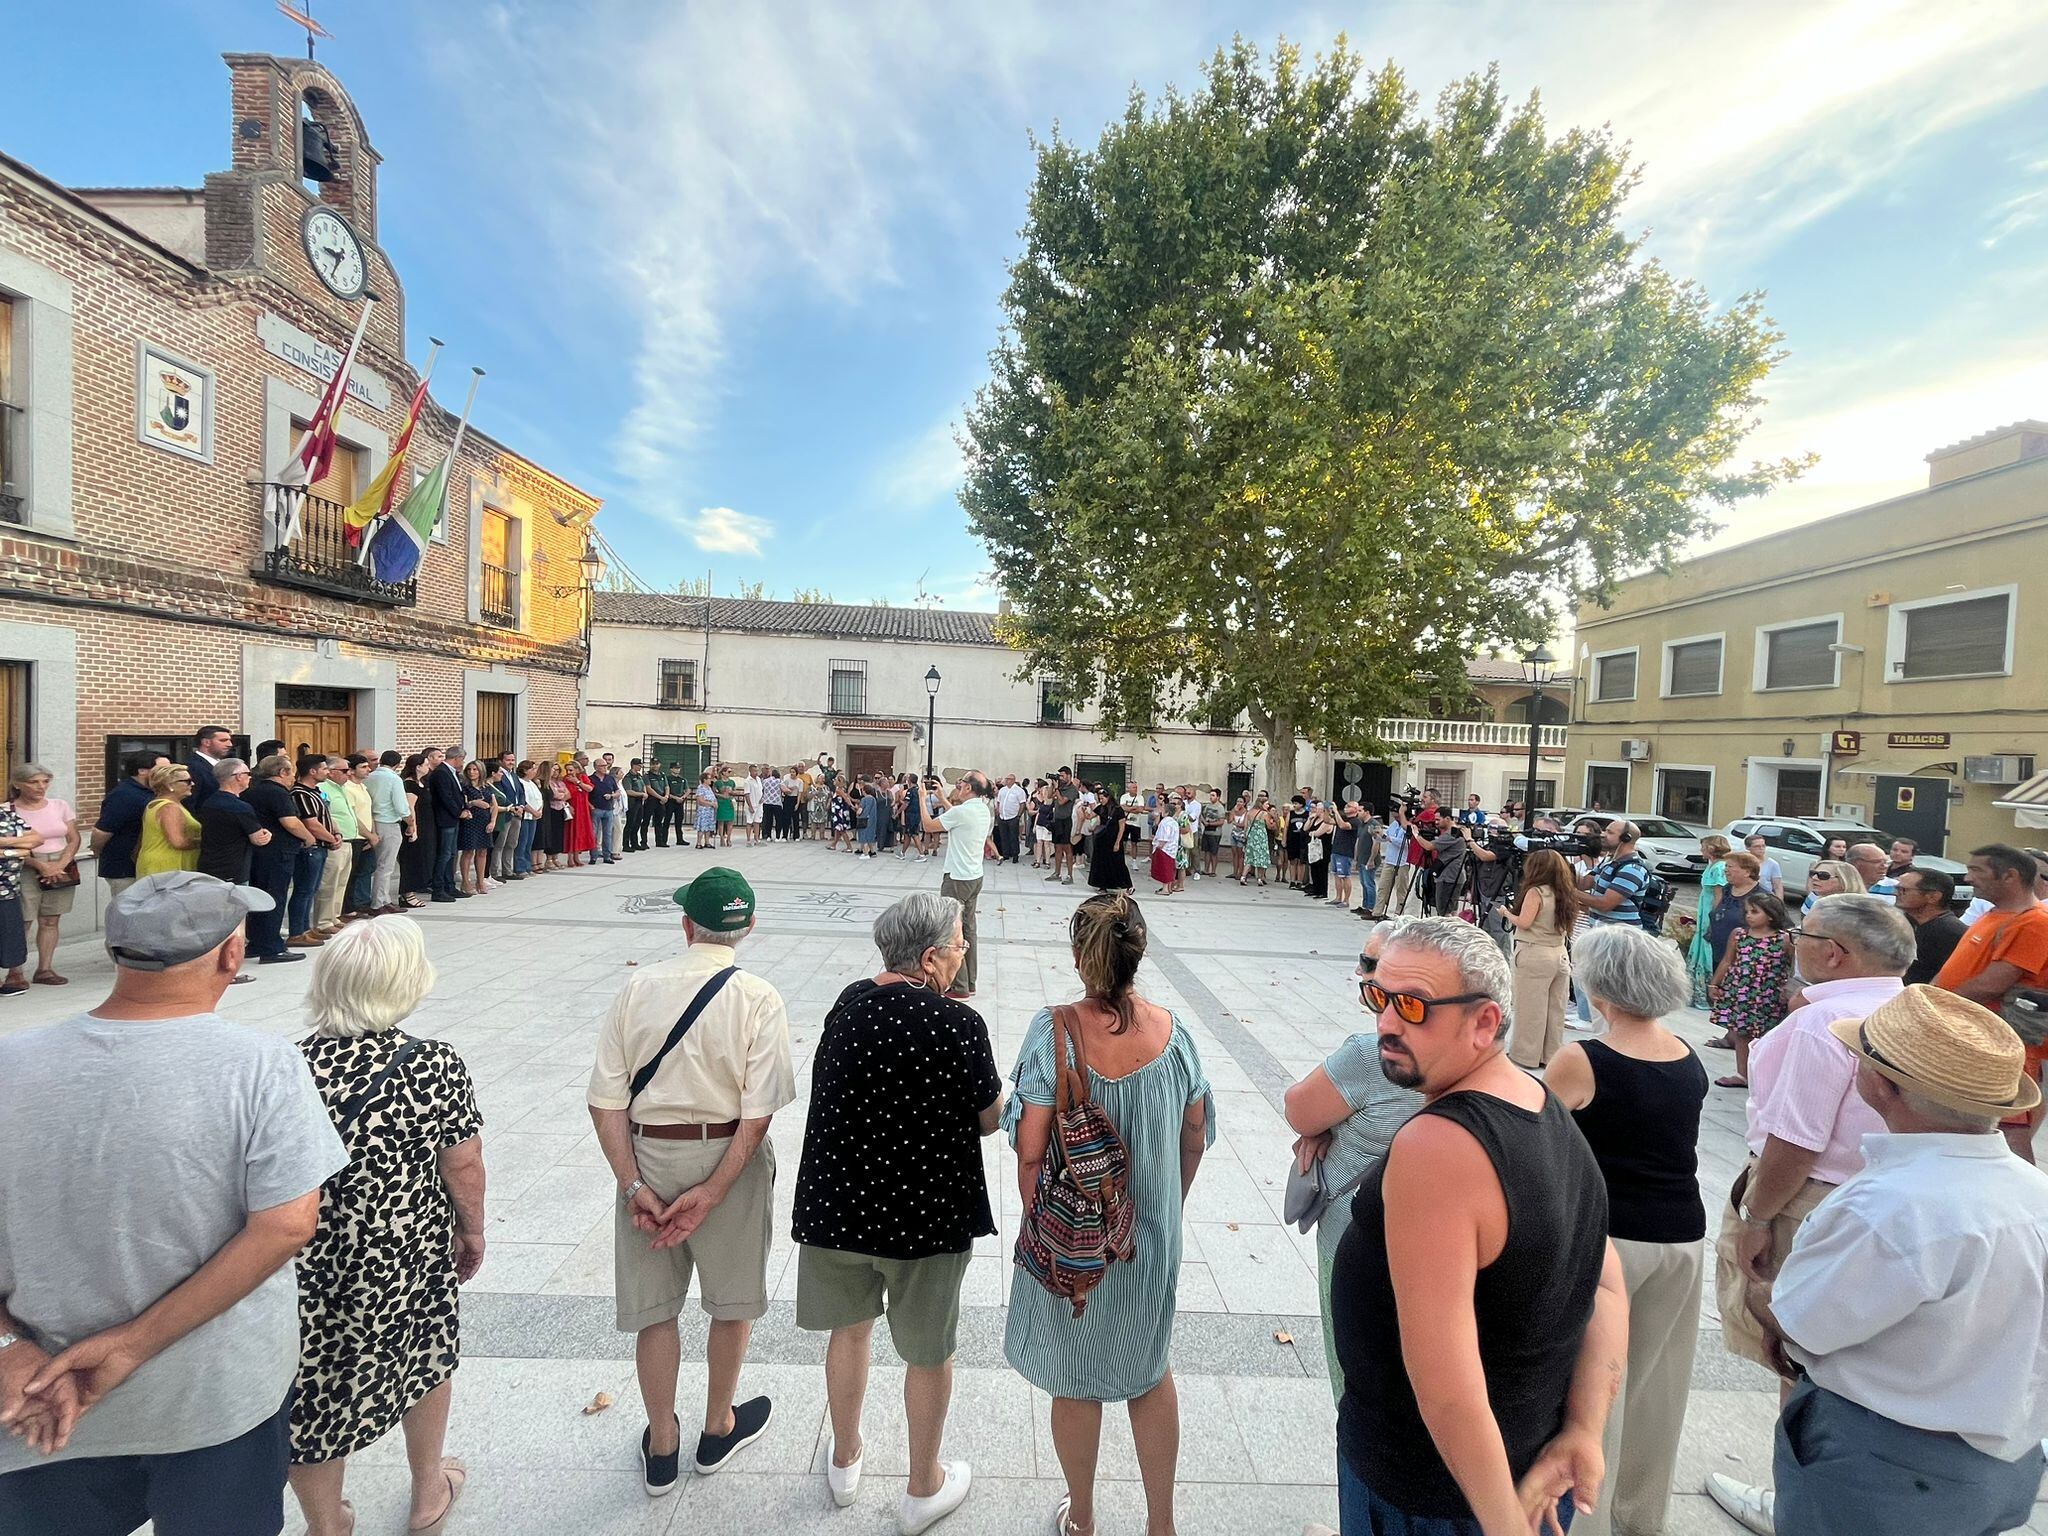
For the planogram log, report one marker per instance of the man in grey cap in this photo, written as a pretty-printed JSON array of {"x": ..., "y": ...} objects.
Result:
[{"x": 159, "y": 1167}]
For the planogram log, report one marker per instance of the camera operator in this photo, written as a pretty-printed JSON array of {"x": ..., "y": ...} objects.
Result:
[
  {"x": 1615, "y": 886},
  {"x": 1395, "y": 871},
  {"x": 1449, "y": 850}
]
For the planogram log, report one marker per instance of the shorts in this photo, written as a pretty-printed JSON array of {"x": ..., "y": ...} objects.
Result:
[
  {"x": 1340, "y": 865},
  {"x": 1041, "y": 834},
  {"x": 921, "y": 1297},
  {"x": 1211, "y": 841},
  {"x": 235, "y": 1488},
  {"x": 39, "y": 900},
  {"x": 728, "y": 1253},
  {"x": 753, "y": 815}
]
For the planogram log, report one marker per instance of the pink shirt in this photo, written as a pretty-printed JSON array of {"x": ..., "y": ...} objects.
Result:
[
  {"x": 50, "y": 818},
  {"x": 1802, "y": 1080}
]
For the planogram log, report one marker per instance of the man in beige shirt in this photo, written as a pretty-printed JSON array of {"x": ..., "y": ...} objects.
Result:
[{"x": 687, "y": 1139}]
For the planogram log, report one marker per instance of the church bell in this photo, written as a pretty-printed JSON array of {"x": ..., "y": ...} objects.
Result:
[{"x": 319, "y": 159}]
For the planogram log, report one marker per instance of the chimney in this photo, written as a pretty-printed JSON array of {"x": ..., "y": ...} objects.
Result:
[
  {"x": 1002, "y": 607},
  {"x": 1999, "y": 448}
]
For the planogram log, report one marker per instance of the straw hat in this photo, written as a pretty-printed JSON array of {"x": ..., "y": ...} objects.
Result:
[{"x": 1947, "y": 1048}]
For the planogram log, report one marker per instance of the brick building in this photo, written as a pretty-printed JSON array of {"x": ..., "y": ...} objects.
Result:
[{"x": 160, "y": 351}]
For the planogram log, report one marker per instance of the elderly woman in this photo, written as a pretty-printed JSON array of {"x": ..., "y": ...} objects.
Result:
[
  {"x": 1141, "y": 1068},
  {"x": 1345, "y": 1112},
  {"x": 399, "y": 1228},
  {"x": 891, "y": 1194},
  {"x": 1636, "y": 1094},
  {"x": 170, "y": 832},
  {"x": 49, "y": 876}
]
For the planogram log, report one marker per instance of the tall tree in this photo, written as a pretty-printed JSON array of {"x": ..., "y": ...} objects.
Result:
[{"x": 1305, "y": 395}]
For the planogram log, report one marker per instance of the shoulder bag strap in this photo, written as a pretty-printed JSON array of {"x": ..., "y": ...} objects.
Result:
[
  {"x": 352, "y": 1111},
  {"x": 705, "y": 993}
]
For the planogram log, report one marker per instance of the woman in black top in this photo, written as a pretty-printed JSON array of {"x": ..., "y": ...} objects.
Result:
[
  {"x": 416, "y": 853},
  {"x": 1108, "y": 868},
  {"x": 1636, "y": 1095},
  {"x": 891, "y": 1193}
]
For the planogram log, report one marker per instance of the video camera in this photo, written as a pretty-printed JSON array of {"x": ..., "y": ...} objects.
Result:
[
  {"x": 1570, "y": 844},
  {"x": 1411, "y": 800}
]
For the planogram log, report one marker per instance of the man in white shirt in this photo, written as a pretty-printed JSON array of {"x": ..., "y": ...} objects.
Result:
[
  {"x": 1009, "y": 801},
  {"x": 966, "y": 819},
  {"x": 1912, "y": 1311},
  {"x": 752, "y": 788}
]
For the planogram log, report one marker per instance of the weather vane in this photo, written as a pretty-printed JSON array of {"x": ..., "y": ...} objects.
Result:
[{"x": 305, "y": 19}]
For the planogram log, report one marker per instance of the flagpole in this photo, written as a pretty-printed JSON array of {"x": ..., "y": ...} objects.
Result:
[
  {"x": 284, "y": 509},
  {"x": 462, "y": 426},
  {"x": 404, "y": 447}
]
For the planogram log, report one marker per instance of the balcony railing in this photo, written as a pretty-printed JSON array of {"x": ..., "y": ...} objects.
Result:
[
  {"x": 1473, "y": 733},
  {"x": 498, "y": 601},
  {"x": 321, "y": 559}
]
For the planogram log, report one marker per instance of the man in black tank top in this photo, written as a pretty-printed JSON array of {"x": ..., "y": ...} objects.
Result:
[{"x": 1479, "y": 1311}]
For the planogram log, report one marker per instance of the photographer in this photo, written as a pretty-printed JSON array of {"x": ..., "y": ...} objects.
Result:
[
  {"x": 1615, "y": 886},
  {"x": 1395, "y": 871}
]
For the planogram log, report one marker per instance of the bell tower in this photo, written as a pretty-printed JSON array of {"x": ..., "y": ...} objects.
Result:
[{"x": 295, "y": 139}]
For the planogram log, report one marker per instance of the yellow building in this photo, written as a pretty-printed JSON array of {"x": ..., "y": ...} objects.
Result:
[{"x": 1868, "y": 666}]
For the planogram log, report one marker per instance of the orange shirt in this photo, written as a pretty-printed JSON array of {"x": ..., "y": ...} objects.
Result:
[{"x": 2018, "y": 938}]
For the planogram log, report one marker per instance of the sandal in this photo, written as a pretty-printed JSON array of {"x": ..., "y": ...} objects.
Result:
[
  {"x": 457, "y": 1475},
  {"x": 1062, "y": 1526},
  {"x": 1731, "y": 1082},
  {"x": 51, "y": 979}
]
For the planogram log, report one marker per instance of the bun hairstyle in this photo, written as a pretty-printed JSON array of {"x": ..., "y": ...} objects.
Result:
[{"x": 1108, "y": 933}]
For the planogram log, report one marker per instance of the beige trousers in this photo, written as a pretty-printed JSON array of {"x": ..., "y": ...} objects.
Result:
[
  {"x": 1541, "y": 974},
  {"x": 1641, "y": 1444},
  {"x": 1740, "y": 1331},
  {"x": 333, "y": 885}
]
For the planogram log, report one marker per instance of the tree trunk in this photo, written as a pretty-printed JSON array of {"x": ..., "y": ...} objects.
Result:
[{"x": 1280, "y": 759}]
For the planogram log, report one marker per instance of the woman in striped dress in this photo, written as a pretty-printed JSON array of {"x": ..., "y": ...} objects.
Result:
[{"x": 1143, "y": 1070}]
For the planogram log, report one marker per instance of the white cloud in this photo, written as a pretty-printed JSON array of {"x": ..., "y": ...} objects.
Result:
[
  {"x": 927, "y": 470},
  {"x": 726, "y": 532}
]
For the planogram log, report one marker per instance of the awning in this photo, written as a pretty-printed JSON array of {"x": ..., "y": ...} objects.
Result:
[
  {"x": 1894, "y": 767},
  {"x": 2028, "y": 802}
]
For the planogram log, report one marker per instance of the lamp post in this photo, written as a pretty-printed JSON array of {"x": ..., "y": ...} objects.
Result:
[
  {"x": 590, "y": 570},
  {"x": 931, "y": 721},
  {"x": 1537, "y": 668}
]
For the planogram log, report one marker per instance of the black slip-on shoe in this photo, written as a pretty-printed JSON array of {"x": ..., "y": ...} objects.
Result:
[
  {"x": 658, "y": 1473},
  {"x": 282, "y": 957},
  {"x": 749, "y": 1420}
]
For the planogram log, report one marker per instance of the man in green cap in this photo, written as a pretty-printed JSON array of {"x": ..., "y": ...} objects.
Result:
[{"x": 692, "y": 1063}]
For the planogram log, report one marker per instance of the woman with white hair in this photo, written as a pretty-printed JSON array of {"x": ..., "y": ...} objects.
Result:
[
  {"x": 1636, "y": 1094},
  {"x": 400, "y": 1227},
  {"x": 891, "y": 1193}
]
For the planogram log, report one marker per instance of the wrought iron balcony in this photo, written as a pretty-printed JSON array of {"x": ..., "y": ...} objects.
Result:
[
  {"x": 498, "y": 599},
  {"x": 320, "y": 558}
]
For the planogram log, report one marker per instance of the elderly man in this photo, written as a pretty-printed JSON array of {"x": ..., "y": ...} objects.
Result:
[
  {"x": 1009, "y": 805},
  {"x": 1806, "y": 1121},
  {"x": 1480, "y": 1356},
  {"x": 1911, "y": 1314},
  {"x": 692, "y": 1063},
  {"x": 965, "y": 821},
  {"x": 147, "y": 1354},
  {"x": 1872, "y": 863},
  {"x": 1924, "y": 896}
]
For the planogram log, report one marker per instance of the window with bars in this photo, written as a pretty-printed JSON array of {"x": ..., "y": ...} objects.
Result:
[
  {"x": 1957, "y": 637},
  {"x": 678, "y": 683},
  {"x": 847, "y": 688},
  {"x": 1694, "y": 667},
  {"x": 498, "y": 595},
  {"x": 1052, "y": 705},
  {"x": 1798, "y": 655},
  {"x": 11, "y": 489},
  {"x": 1614, "y": 677}
]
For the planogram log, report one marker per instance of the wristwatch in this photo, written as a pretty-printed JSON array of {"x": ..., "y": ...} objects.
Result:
[
  {"x": 631, "y": 1190},
  {"x": 9, "y": 1340}
]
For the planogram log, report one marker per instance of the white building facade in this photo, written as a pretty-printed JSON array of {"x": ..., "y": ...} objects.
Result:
[{"x": 694, "y": 681}]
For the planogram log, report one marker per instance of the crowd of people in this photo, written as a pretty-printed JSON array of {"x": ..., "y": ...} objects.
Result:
[{"x": 1884, "y": 1250}]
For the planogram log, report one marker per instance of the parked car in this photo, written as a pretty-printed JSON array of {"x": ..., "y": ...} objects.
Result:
[
  {"x": 1672, "y": 848},
  {"x": 1796, "y": 842}
]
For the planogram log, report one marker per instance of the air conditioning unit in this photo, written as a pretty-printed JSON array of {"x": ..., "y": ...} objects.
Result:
[
  {"x": 2013, "y": 768},
  {"x": 1635, "y": 750}
]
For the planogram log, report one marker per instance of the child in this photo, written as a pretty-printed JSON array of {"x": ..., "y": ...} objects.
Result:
[{"x": 1747, "y": 992}]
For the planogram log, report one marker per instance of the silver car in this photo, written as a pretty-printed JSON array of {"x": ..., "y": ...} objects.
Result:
[
  {"x": 1796, "y": 843},
  {"x": 1670, "y": 848}
]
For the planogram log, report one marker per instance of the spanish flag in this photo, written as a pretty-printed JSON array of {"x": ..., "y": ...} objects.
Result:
[{"x": 382, "y": 493}]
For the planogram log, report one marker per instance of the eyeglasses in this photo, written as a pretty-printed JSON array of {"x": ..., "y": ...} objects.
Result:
[
  {"x": 1410, "y": 1007},
  {"x": 1819, "y": 938}
]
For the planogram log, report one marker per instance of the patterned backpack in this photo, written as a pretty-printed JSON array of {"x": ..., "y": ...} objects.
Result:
[{"x": 1081, "y": 1221}]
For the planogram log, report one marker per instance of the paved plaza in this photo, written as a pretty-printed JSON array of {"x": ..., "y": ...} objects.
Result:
[{"x": 1262, "y": 979}]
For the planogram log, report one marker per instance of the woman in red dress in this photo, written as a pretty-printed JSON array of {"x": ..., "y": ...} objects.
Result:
[{"x": 579, "y": 839}]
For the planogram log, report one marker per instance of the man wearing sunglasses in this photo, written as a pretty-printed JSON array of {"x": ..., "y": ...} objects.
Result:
[{"x": 1480, "y": 1356}]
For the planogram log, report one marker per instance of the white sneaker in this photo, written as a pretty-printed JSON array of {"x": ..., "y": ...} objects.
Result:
[
  {"x": 914, "y": 1516},
  {"x": 843, "y": 1481},
  {"x": 1754, "y": 1509}
]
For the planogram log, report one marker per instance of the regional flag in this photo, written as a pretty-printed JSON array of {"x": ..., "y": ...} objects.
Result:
[
  {"x": 378, "y": 499},
  {"x": 398, "y": 542},
  {"x": 284, "y": 497}
]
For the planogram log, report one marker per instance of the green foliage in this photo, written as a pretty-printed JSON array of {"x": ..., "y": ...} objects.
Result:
[
  {"x": 1305, "y": 395},
  {"x": 811, "y": 595}
]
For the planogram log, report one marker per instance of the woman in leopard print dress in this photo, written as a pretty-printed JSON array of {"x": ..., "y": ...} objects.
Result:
[{"x": 399, "y": 1227}]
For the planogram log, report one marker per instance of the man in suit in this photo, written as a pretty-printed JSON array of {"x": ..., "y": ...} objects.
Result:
[
  {"x": 510, "y": 795},
  {"x": 211, "y": 743},
  {"x": 444, "y": 788}
]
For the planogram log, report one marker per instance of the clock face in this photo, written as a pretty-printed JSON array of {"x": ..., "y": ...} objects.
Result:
[{"x": 335, "y": 252}]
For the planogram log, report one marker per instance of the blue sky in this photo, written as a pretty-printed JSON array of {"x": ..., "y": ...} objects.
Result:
[{"x": 736, "y": 267}]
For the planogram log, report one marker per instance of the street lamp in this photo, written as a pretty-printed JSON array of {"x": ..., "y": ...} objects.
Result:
[
  {"x": 1537, "y": 668},
  {"x": 931, "y": 722}
]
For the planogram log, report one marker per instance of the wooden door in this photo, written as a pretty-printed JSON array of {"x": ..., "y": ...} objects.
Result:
[
  {"x": 494, "y": 725},
  {"x": 867, "y": 762},
  {"x": 323, "y": 731}
]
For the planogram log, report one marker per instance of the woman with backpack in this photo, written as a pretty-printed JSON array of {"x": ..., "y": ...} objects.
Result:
[{"x": 1105, "y": 1155}]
